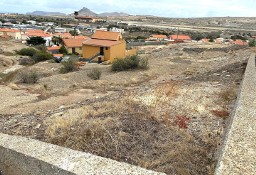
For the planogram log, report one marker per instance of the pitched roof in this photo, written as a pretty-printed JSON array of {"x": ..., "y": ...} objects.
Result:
[
  {"x": 9, "y": 30},
  {"x": 63, "y": 35},
  {"x": 73, "y": 42},
  {"x": 38, "y": 34},
  {"x": 159, "y": 36},
  {"x": 181, "y": 37},
  {"x": 81, "y": 37},
  {"x": 240, "y": 42},
  {"x": 106, "y": 35},
  {"x": 58, "y": 55},
  {"x": 53, "y": 48},
  {"x": 102, "y": 43},
  {"x": 34, "y": 31}
]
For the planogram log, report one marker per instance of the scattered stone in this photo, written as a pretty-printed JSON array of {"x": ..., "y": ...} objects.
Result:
[{"x": 14, "y": 86}]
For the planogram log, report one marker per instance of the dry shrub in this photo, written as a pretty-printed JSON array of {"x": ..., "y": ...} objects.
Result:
[
  {"x": 220, "y": 113},
  {"x": 121, "y": 131},
  {"x": 161, "y": 95},
  {"x": 95, "y": 74},
  {"x": 228, "y": 94}
]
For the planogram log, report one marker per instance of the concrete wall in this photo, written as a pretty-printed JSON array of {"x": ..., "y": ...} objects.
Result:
[
  {"x": 238, "y": 155},
  {"x": 23, "y": 156}
]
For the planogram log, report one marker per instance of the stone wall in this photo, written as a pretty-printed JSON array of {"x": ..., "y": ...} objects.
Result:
[
  {"x": 238, "y": 155},
  {"x": 23, "y": 156}
]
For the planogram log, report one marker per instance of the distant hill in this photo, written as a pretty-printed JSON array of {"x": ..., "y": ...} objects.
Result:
[
  {"x": 83, "y": 12},
  {"x": 86, "y": 12},
  {"x": 42, "y": 13},
  {"x": 113, "y": 14}
]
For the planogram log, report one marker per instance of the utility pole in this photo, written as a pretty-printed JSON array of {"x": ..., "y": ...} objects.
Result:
[{"x": 178, "y": 33}]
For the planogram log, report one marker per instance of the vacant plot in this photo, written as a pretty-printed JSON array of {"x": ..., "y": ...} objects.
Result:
[{"x": 169, "y": 118}]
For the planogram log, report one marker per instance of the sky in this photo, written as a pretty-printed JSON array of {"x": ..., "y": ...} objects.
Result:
[{"x": 164, "y": 8}]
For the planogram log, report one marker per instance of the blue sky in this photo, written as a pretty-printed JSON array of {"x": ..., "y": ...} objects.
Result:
[{"x": 167, "y": 8}]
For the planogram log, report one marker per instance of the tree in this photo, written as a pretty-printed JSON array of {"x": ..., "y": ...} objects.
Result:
[
  {"x": 252, "y": 43},
  {"x": 73, "y": 32},
  {"x": 56, "y": 40},
  {"x": 36, "y": 40},
  {"x": 63, "y": 50},
  {"x": 76, "y": 13}
]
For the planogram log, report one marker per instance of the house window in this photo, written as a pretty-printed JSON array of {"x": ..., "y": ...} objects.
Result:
[{"x": 106, "y": 48}]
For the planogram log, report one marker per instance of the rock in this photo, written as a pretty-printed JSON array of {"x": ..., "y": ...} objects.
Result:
[
  {"x": 14, "y": 86},
  {"x": 38, "y": 126}
]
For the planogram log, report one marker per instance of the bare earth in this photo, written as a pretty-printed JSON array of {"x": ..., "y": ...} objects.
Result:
[{"x": 182, "y": 80}]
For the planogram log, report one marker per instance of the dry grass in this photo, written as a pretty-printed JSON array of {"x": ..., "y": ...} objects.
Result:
[
  {"x": 128, "y": 131},
  {"x": 228, "y": 95}
]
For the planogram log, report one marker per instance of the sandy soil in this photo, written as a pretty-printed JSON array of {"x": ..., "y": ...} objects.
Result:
[{"x": 196, "y": 76}]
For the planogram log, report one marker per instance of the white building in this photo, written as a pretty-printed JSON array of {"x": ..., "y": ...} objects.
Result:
[{"x": 60, "y": 30}]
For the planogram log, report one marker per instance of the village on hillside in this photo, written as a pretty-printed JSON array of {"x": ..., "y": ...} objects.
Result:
[{"x": 149, "y": 91}]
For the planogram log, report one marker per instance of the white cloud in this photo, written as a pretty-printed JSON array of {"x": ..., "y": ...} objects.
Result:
[{"x": 170, "y": 8}]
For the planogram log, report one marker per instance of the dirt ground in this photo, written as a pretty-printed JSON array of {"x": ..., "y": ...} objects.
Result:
[{"x": 191, "y": 86}]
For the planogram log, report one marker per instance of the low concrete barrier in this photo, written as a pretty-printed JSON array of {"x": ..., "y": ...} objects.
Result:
[
  {"x": 238, "y": 155},
  {"x": 23, "y": 156}
]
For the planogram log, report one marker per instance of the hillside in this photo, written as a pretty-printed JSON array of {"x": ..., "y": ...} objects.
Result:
[
  {"x": 42, "y": 13},
  {"x": 113, "y": 14}
]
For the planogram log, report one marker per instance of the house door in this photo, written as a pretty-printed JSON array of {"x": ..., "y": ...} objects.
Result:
[
  {"x": 102, "y": 51},
  {"x": 73, "y": 50}
]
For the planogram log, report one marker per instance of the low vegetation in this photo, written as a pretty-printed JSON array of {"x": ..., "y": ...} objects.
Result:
[
  {"x": 27, "y": 52},
  {"x": 42, "y": 56},
  {"x": 127, "y": 131},
  {"x": 129, "y": 63},
  {"x": 68, "y": 66},
  {"x": 30, "y": 77},
  {"x": 95, "y": 74},
  {"x": 37, "y": 55}
]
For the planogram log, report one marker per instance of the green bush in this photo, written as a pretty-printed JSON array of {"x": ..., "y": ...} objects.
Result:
[
  {"x": 95, "y": 74},
  {"x": 252, "y": 43},
  {"x": 41, "y": 48},
  {"x": 121, "y": 64},
  {"x": 128, "y": 63},
  {"x": 42, "y": 56},
  {"x": 27, "y": 52},
  {"x": 63, "y": 50},
  {"x": 30, "y": 77},
  {"x": 68, "y": 66}
]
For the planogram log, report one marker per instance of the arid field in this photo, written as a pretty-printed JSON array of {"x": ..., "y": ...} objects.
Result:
[{"x": 169, "y": 118}]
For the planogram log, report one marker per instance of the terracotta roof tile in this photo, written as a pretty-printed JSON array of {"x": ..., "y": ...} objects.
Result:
[
  {"x": 53, "y": 48},
  {"x": 159, "y": 36},
  {"x": 81, "y": 37},
  {"x": 181, "y": 37},
  {"x": 34, "y": 31},
  {"x": 106, "y": 35},
  {"x": 102, "y": 43},
  {"x": 63, "y": 35},
  {"x": 58, "y": 55},
  {"x": 240, "y": 42},
  {"x": 9, "y": 30},
  {"x": 73, "y": 42}
]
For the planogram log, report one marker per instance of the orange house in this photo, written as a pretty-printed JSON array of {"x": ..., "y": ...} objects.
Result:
[
  {"x": 180, "y": 38},
  {"x": 106, "y": 45}
]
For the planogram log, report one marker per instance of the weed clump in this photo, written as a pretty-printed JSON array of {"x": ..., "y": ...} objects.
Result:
[
  {"x": 27, "y": 52},
  {"x": 129, "y": 63},
  {"x": 95, "y": 74},
  {"x": 30, "y": 77},
  {"x": 68, "y": 66}
]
